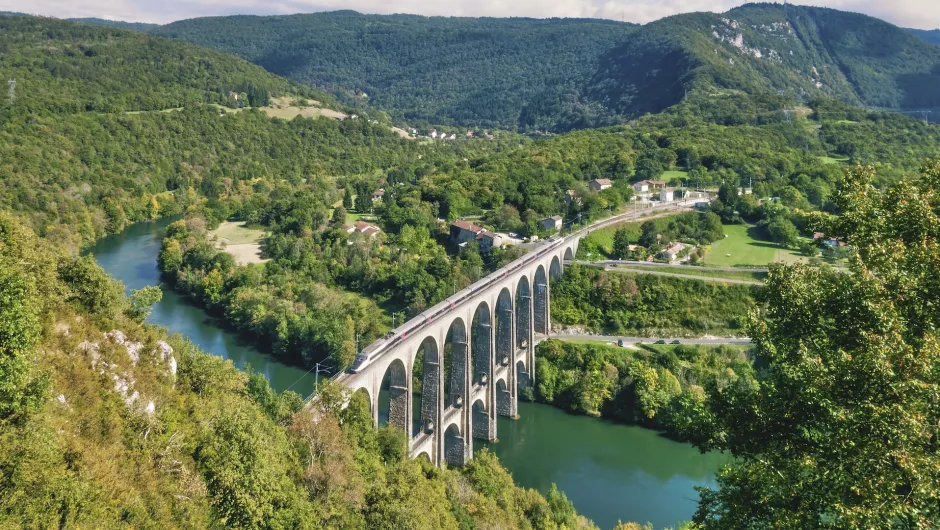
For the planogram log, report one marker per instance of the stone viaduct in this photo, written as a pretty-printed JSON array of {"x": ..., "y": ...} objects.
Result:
[{"x": 444, "y": 376}]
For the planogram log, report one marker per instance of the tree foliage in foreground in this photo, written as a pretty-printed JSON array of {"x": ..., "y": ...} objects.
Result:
[{"x": 841, "y": 428}]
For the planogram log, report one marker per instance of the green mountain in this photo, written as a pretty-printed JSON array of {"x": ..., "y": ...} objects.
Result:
[
  {"x": 136, "y": 26},
  {"x": 61, "y": 66},
  {"x": 930, "y": 35},
  {"x": 802, "y": 52},
  {"x": 509, "y": 73}
]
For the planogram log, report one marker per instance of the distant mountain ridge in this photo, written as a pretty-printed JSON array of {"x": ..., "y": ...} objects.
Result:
[
  {"x": 930, "y": 35},
  {"x": 801, "y": 52},
  {"x": 136, "y": 26},
  {"x": 509, "y": 73},
  {"x": 561, "y": 74}
]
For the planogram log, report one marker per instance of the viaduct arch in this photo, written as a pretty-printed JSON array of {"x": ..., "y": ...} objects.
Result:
[{"x": 446, "y": 375}]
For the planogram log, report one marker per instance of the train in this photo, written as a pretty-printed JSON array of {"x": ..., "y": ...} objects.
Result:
[
  {"x": 415, "y": 324},
  {"x": 364, "y": 358}
]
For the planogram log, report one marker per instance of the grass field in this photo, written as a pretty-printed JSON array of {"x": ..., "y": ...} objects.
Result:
[
  {"x": 241, "y": 242},
  {"x": 832, "y": 160},
  {"x": 701, "y": 273},
  {"x": 674, "y": 174},
  {"x": 743, "y": 248},
  {"x": 603, "y": 239}
]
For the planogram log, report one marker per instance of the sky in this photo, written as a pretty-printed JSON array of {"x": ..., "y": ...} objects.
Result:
[{"x": 923, "y": 14}]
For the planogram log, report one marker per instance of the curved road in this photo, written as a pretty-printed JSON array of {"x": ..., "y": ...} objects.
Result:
[
  {"x": 713, "y": 341},
  {"x": 675, "y": 275},
  {"x": 628, "y": 263}
]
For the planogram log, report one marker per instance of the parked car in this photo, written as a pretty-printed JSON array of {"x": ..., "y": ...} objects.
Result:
[
  {"x": 660, "y": 341},
  {"x": 675, "y": 342}
]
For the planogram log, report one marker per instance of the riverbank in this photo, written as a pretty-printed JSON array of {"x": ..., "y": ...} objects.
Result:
[{"x": 131, "y": 257}]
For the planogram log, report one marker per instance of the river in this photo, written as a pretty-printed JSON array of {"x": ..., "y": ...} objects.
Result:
[
  {"x": 609, "y": 471},
  {"x": 131, "y": 256}
]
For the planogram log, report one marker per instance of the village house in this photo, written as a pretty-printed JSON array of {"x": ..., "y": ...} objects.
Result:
[
  {"x": 462, "y": 231},
  {"x": 572, "y": 196},
  {"x": 490, "y": 240},
  {"x": 642, "y": 186},
  {"x": 551, "y": 223},
  {"x": 600, "y": 184},
  {"x": 667, "y": 194},
  {"x": 671, "y": 253},
  {"x": 363, "y": 228},
  {"x": 830, "y": 242},
  {"x": 378, "y": 195}
]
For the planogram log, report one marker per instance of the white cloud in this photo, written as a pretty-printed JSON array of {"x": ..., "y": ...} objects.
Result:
[{"x": 909, "y": 13}]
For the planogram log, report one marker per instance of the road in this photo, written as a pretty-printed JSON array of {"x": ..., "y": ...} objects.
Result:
[
  {"x": 669, "y": 274},
  {"x": 615, "y": 263},
  {"x": 713, "y": 341}
]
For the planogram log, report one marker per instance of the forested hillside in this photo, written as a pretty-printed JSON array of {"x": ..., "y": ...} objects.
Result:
[
  {"x": 506, "y": 73},
  {"x": 65, "y": 67},
  {"x": 801, "y": 52}
]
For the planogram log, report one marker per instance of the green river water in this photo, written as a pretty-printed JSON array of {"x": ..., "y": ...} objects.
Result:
[{"x": 611, "y": 472}]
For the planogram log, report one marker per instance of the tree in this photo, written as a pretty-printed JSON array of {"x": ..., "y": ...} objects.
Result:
[
  {"x": 840, "y": 430},
  {"x": 339, "y": 216},
  {"x": 621, "y": 248},
  {"x": 364, "y": 192},
  {"x": 650, "y": 234},
  {"x": 783, "y": 232},
  {"x": 91, "y": 287},
  {"x": 142, "y": 301},
  {"x": 348, "y": 197}
]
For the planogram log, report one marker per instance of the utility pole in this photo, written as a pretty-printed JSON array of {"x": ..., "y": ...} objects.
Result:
[
  {"x": 926, "y": 117},
  {"x": 316, "y": 379},
  {"x": 12, "y": 83}
]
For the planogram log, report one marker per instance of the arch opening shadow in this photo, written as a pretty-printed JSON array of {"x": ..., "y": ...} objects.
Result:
[
  {"x": 481, "y": 332},
  {"x": 456, "y": 364},
  {"x": 504, "y": 325},
  {"x": 426, "y": 384},
  {"x": 524, "y": 389},
  {"x": 503, "y": 399},
  {"x": 480, "y": 421},
  {"x": 523, "y": 313},
  {"x": 569, "y": 254},
  {"x": 555, "y": 269},
  {"x": 393, "y": 397},
  {"x": 541, "y": 301},
  {"x": 455, "y": 447}
]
